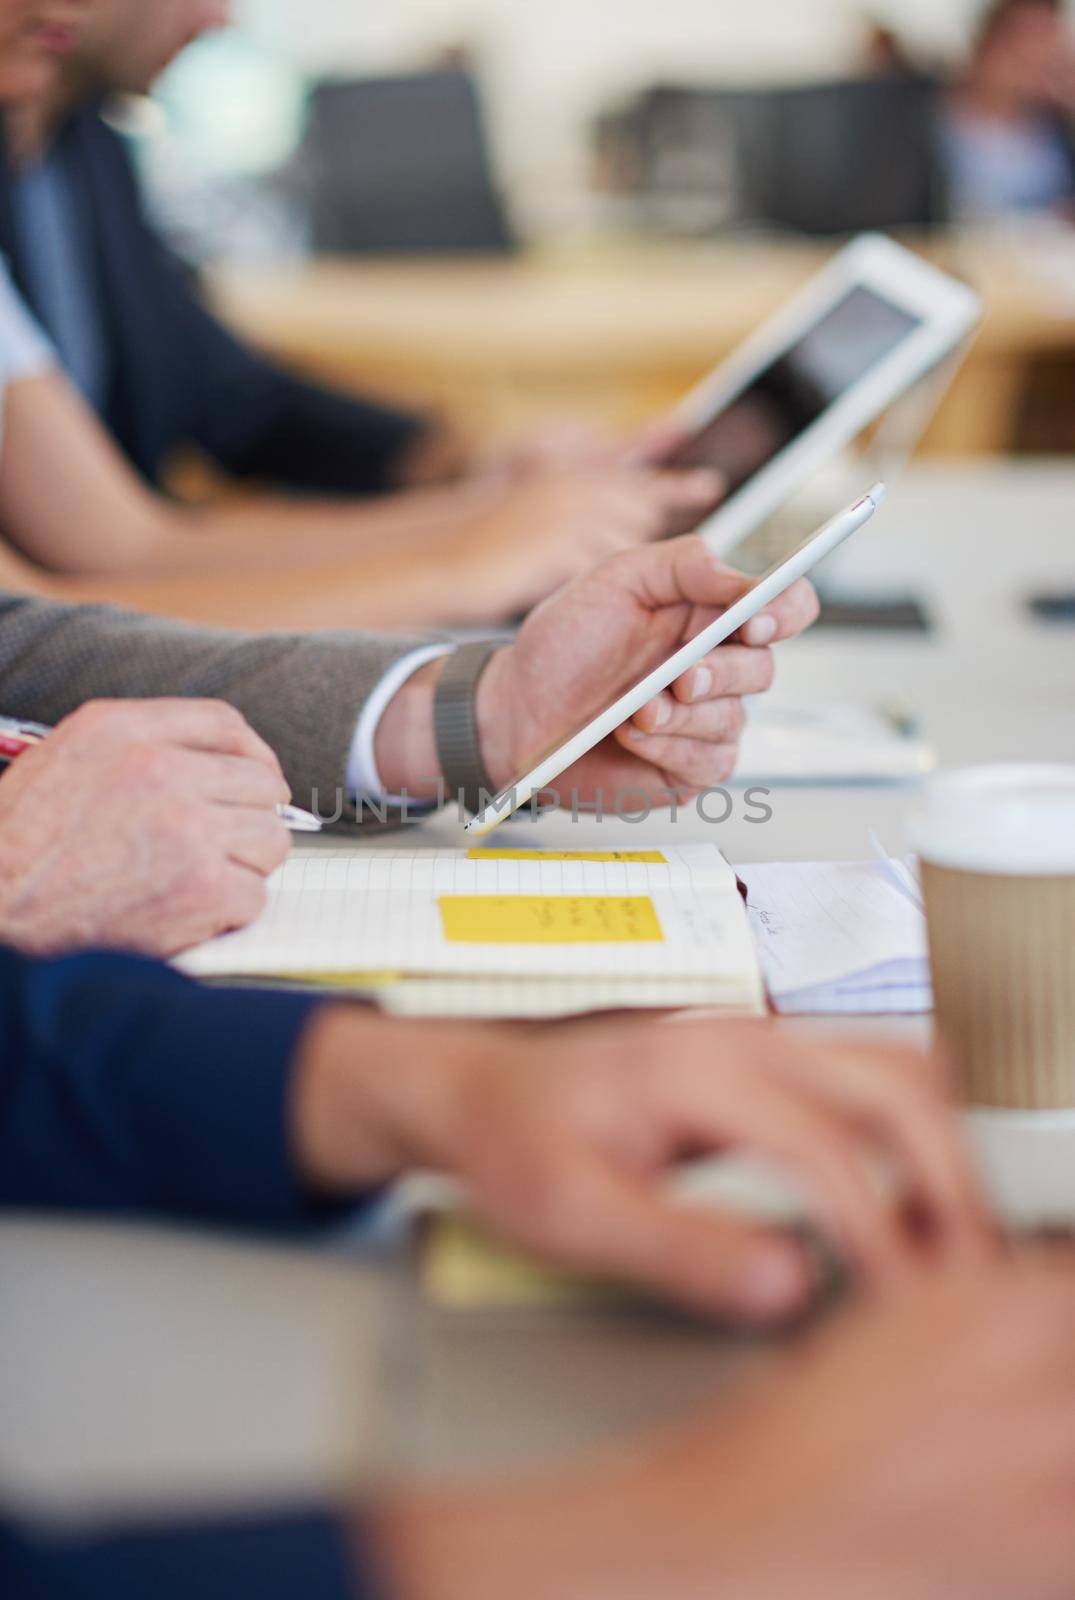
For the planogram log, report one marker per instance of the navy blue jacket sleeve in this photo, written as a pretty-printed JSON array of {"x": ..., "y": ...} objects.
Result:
[
  {"x": 259, "y": 421},
  {"x": 184, "y": 379},
  {"x": 297, "y": 1557},
  {"x": 126, "y": 1087}
]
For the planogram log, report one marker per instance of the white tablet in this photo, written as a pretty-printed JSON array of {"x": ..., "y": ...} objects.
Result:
[
  {"x": 545, "y": 767},
  {"x": 868, "y": 326}
]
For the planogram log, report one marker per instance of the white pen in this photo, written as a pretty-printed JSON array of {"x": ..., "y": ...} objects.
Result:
[{"x": 298, "y": 820}]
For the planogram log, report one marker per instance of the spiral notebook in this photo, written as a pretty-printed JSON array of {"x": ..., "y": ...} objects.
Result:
[{"x": 503, "y": 932}]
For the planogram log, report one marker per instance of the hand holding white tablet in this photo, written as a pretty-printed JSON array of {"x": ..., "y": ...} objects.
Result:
[{"x": 557, "y": 706}]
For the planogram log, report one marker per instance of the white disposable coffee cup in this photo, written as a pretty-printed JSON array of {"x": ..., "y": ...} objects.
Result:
[{"x": 997, "y": 847}]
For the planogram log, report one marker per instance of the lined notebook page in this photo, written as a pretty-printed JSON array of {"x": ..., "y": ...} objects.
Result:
[{"x": 646, "y": 915}]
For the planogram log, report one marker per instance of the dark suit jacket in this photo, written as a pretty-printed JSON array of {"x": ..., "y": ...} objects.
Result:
[
  {"x": 122, "y": 1087},
  {"x": 297, "y": 1556},
  {"x": 180, "y": 379},
  {"x": 125, "y": 1087}
]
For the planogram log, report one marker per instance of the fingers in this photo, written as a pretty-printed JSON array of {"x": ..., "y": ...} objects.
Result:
[
  {"x": 751, "y": 1108},
  {"x": 196, "y": 724},
  {"x": 213, "y": 725},
  {"x": 253, "y": 839},
  {"x": 731, "y": 669},
  {"x": 687, "y": 766},
  {"x": 689, "y": 494},
  {"x": 607, "y": 1222},
  {"x": 242, "y": 897},
  {"x": 594, "y": 1195},
  {"x": 789, "y": 615},
  {"x": 684, "y": 571},
  {"x": 719, "y": 721},
  {"x": 705, "y": 703},
  {"x": 902, "y": 1105},
  {"x": 235, "y": 780},
  {"x": 657, "y": 444},
  {"x": 768, "y": 1091},
  {"x": 605, "y": 515},
  {"x": 645, "y": 505},
  {"x": 214, "y": 895},
  {"x": 722, "y": 1266},
  {"x": 586, "y": 1208},
  {"x": 597, "y": 513}
]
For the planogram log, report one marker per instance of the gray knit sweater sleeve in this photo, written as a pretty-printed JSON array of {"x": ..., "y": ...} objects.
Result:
[{"x": 301, "y": 691}]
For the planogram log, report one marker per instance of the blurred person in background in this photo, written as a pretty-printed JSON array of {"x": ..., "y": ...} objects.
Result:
[
  {"x": 885, "y": 55},
  {"x": 1008, "y": 133},
  {"x": 141, "y": 350}
]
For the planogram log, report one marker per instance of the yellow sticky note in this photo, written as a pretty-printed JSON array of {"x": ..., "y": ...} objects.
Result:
[
  {"x": 464, "y": 1269},
  {"x": 549, "y": 919},
  {"x": 641, "y": 858}
]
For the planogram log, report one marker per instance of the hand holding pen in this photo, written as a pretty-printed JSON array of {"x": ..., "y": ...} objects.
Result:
[
  {"x": 17, "y": 736},
  {"x": 139, "y": 825}
]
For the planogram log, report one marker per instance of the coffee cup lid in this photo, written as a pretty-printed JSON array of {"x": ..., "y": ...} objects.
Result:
[{"x": 1011, "y": 820}]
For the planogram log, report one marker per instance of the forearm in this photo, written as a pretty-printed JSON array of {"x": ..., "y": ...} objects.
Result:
[
  {"x": 271, "y": 530},
  {"x": 391, "y": 564},
  {"x": 100, "y": 535},
  {"x": 385, "y": 591},
  {"x": 374, "y": 1097}
]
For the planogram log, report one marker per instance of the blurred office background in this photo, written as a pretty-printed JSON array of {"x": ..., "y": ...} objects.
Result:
[
  {"x": 487, "y": 196},
  {"x": 551, "y": 77}
]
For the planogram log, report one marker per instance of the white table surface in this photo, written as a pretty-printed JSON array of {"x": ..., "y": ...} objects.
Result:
[{"x": 85, "y": 1333}]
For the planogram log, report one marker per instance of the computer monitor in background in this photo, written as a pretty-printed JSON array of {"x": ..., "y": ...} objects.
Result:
[
  {"x": 830, "y": 158},
  {"x": 852, "y": 156},
  {"x": 400, "y": 165}
]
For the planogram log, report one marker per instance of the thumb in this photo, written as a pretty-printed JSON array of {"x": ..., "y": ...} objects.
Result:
[{"x": 681, "y": 571}]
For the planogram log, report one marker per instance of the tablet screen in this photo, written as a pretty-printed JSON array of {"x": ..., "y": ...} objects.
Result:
[{"x": 787, "y": 397}]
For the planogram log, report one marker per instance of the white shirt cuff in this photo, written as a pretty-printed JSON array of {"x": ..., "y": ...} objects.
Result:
[{"x": 363, "y": 779}]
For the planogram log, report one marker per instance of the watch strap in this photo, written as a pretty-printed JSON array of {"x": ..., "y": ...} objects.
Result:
[{"x": 455, "y": 724}]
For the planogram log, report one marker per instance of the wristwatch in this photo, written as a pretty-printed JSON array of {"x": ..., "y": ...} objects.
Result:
[{"x": 455, "y": 724}]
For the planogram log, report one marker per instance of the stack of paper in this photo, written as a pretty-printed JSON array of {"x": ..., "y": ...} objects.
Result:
[
  {"x": 504, "y": 932},
  {"x": 840, "y": 937}
]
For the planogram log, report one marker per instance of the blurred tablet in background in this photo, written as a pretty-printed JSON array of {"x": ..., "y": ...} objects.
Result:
[{"x": 873, "y": 322}]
